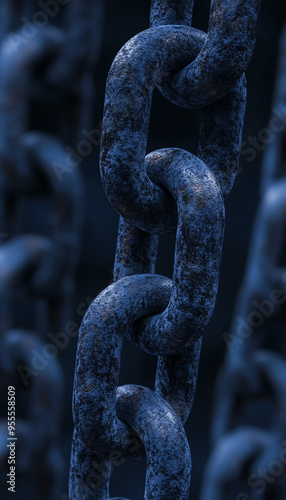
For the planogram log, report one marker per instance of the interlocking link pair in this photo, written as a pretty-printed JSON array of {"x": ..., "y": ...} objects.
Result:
[{"x": 168, "y": 190}]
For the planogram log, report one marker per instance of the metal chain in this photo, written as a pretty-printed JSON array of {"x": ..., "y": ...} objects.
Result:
[
  {"x": 26, "y": 171},
  {"x": 168, "y": 190}
]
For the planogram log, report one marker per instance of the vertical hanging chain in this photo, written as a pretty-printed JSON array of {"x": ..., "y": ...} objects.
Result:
[{"x": 166, "y": 191}]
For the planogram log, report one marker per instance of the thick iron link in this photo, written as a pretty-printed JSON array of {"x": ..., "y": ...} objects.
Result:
[
  {"x": 223, "y": 58},
  {"x": 167, "y": 190},
  {"x": 176, "y": 375},
  {"x": 129, "y": 89}
]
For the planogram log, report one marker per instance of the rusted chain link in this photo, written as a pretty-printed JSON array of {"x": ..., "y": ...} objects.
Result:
[
  {"x": 222, "y": 60},
  {"x": 168, "y": 190}
]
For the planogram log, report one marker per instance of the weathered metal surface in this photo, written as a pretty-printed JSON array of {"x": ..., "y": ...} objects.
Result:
[
  {"x": 168, "y": 190},
  {"x": 171, "y": 12},
  {"x": 128, "y": 99},
  {"x": 165, "y": 442},
  {"x": 223, "y": 59}
]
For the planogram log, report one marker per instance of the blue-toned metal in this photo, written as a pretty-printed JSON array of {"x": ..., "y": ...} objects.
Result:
[
  {"x": 160, "y": 429},
  {"x": 199, "y": 233},
  {"x": 176, "y": 375},
  {"x": 129, "y": 89},
  {"x": 171, "y": 12},
  {"x": 222, "y": 60},
  {"x": 168, "y": 190}
]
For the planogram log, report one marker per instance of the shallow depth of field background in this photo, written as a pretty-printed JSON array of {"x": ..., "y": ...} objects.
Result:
[{"x": 172, "y": 127}]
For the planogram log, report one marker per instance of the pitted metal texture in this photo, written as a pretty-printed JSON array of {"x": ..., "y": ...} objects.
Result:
[{"x": 169, "y": 190}]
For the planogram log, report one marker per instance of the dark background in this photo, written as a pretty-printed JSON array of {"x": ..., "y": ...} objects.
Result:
[{"x": 173, "y": 127}]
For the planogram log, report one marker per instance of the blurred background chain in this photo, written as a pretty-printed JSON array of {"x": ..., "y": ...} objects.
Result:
[
  {"x": 248, "y": 456},
  {"x": 48, "y": 54}
]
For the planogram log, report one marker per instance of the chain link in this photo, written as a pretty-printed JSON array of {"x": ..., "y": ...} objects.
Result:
[{"x": 168, "y": 190}]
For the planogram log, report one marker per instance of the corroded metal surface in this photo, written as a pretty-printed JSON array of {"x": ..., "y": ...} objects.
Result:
[
  {"x": 166, "y": 191},
  {"x": 130, "y": 84},
  {"x": 223, "y": 58}
]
